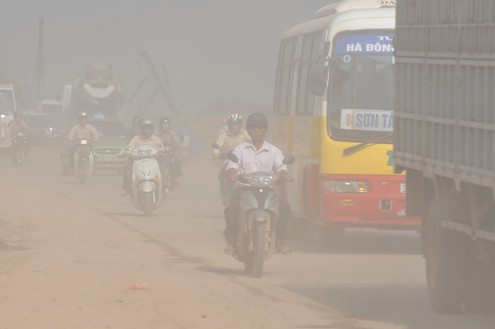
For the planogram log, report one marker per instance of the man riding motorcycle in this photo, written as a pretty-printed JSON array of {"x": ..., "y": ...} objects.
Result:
[
  {"x": 82, "y": 130},
  {"x": 256, "y": 155},
  {"x": 145, "y": 138},
  {"x": 170, "y": 139},
  {"x": 225, "y": 143}
]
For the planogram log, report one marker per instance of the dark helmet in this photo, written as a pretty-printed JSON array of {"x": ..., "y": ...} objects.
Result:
[
  {"x": 257, "y": 120},
  {"x": 146, "y": 124},
  {"x": 165, "y": 124},
  {"x": 234, "y": 118},
  {"x": 136, "y": 121}
]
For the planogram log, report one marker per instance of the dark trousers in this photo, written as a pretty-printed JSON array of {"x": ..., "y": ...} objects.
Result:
[{"x": 231, "y": 214}]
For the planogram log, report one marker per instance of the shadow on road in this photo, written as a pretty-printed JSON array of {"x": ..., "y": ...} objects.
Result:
[
  {"x": 7, "y": 247},
  {"x": 406, "y": 306},
  {"x": 223, "y": 270},
  {"x": 364, "y": 242}
]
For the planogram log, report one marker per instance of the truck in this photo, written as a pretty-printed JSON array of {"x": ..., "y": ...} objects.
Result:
[
  {"x": 7, "y": 110},
  {"x": 95, "y": 91},
  {"x": 444, "y": 137}
]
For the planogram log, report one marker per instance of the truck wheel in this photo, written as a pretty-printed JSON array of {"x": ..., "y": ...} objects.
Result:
[
  {"x": 446, "y": 259},
  {"x": 480, "y": 296}
]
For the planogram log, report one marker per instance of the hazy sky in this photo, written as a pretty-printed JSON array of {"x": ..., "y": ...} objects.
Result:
[{"x": 213, "y": 49}]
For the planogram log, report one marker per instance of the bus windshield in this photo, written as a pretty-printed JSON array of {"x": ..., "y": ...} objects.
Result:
[
  {"x": 361, "y": 88},
  {"x": 6, "y": 102}
]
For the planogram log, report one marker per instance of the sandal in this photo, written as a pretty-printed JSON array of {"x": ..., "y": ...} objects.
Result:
[
  {"x": 229, "y": 249},
  {"x": 283, "y": 248}
]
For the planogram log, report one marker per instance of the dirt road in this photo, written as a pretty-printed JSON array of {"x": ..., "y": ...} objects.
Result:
[{"x": 80, "y": 256}]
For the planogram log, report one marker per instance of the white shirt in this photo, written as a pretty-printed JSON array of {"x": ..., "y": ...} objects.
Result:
[{"x": 268, "y": 158}]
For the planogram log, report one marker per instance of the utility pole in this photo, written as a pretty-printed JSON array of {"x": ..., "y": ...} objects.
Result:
[
  {"x": 163, "y": 88},
  {"x": 38, "y": 75}
]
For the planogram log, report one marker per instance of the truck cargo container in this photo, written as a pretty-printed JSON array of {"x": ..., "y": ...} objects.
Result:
[{"x": 444, "y": 137}]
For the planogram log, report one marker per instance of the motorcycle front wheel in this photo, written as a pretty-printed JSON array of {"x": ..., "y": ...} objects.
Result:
[
  {"x": 83, "y": 171},
  {"x": 259, "y": 249},
  {"x": 20, "y": 157},
  {"x": 148, "y": 203}
]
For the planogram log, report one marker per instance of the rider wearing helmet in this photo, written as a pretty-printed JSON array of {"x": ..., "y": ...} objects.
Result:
[
  {"x": 82, "y": 130},
  {"x": 225, "y": 143},
  {"x": 256, "y": 155},
  {"x": 145, "y": 138},
  {"x": 170, "y": 140},
  {"x": 234, "y": 136},
  {"x": 135, "y": 127}
]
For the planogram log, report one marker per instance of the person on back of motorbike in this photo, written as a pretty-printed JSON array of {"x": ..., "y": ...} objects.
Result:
[
  {"x": 170, "y": 140},
  {"x": 19, "y": 125},
  {"x": 144, "y": 138},
  {"x": 224, "y": 144},
  {"x": 82, "y": 130},
  {"x": 256, "y": 155}
]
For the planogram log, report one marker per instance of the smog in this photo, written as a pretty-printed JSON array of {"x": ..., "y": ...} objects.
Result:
[{"x": 247, "y": 164}]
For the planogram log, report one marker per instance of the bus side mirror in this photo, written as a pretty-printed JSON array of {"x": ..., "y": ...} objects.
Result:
[{"x": 317, "y": 81}]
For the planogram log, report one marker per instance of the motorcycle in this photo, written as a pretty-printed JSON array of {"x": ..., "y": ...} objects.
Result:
[
  {"x": 20, "y": 148},
  {"x": 83, "y": 160},
  {"x": 168, "y": 160},
  {"x": 146, "y": 193},
  {"x": 258, "y": 217},
  {"x": 226, "y": 186}
]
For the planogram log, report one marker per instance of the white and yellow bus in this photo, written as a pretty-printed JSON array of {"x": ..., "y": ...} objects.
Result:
[{"x": 333, "y": 112}]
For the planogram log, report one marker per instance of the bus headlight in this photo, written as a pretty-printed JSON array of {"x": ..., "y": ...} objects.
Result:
[{"x": 346, "y": 186}]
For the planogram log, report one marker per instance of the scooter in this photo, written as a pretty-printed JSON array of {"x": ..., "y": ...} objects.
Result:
[
  {"x": 227, "y": 188},
  {"x": 83, "y": 161},
  {"x": 146, "y": 194},
  {"x": 20, "y": 148},
  {"x": 258, "y": 217}
]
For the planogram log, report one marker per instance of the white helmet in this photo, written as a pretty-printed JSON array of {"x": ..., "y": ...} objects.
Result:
[{"x": 234, "y": 118}]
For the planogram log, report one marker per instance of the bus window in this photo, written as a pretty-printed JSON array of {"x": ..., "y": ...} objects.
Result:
[
  {"x": 310, "y": 55},
  {"x": 283, "y": 76},
  {"x": 361, "y": 88}
]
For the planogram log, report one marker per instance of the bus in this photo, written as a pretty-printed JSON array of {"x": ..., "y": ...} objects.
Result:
[{"x": 333, "y": 113}]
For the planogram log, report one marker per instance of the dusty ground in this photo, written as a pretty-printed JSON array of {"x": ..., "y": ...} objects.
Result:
[{"x": 76, "y": 256}]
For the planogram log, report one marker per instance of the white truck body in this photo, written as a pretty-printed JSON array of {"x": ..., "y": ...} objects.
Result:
[{"x": 7, "y": 110}]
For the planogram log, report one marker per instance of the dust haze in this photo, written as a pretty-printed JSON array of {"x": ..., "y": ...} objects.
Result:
[{"x": 212, "y": 50}]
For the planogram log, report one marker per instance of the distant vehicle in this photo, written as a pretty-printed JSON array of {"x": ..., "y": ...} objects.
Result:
[
  {"x": 50, "y": 106},
  {"x": 95, "y": 91},
  {"x": 112, "y": 135},
  {"x": 7, "y": 109},
  {"x": 50, "y": 129}
]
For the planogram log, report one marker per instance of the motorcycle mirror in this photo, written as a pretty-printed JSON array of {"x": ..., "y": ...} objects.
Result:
[
  {"x": 232, "y": 157},
  {"x": 289, "y": 160}
]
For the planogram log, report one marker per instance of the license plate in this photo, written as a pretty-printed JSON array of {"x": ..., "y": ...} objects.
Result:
[{"x": 403, "y": 188}]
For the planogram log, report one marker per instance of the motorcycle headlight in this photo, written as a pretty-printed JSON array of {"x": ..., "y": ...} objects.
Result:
[
  {"x": 346, "y": 186},
  {"x": 259, "y": 181}
]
